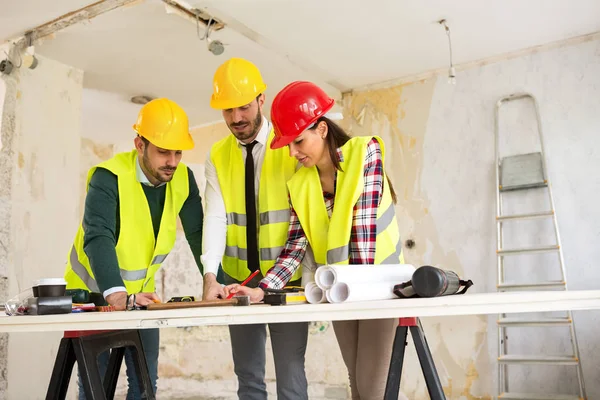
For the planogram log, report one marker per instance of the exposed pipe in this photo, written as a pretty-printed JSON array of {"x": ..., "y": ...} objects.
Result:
[{"x": 451, "y": 70}]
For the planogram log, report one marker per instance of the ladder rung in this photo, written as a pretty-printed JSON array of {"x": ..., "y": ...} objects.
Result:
[
  {"x": 528, "y": 250},
  {"x": 544, "y": 214},
  {"x": 534, "y": 322},
  {"x": 530, "y": 359},
  {"x": 532, "y": 185},
  {"x": 539, "y": 396},
  {"x": 548, "y": 285}
]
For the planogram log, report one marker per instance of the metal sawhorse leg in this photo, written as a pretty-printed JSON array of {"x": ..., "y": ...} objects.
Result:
[
  {"x": 84, "y": 347},
  {"x": 392, "y": 388}
]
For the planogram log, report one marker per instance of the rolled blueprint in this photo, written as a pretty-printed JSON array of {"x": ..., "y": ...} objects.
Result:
[
  {"x": 343, "y": 292},
  {"x": 314, "y": 294},
  {"x": 328, "y": 295},
  {"x": 323, "y": 277},
  {"x": 328, "y": 275}
]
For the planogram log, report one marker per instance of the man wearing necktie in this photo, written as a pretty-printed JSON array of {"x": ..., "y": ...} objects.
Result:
[{"x": 246, "y": 233}]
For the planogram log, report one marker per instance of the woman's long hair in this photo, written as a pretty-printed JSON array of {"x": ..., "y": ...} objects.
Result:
[{"x": 337, "y": 137}]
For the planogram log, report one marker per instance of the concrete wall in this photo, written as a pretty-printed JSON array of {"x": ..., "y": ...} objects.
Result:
[
  {"x": 440, "y": 142},
  {"x": 2, "y": 94},
  {"x": 39, "y": 188}
]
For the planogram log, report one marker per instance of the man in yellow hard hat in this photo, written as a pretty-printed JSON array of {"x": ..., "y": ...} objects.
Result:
[
  {"x": 248, "y": 232},
  {"x": 130, "y": 221}
]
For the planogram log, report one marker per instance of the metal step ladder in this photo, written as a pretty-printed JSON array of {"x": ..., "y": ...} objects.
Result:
[{"x": 522, "y": 172}]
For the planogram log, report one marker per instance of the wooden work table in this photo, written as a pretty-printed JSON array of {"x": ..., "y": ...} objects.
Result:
[{"x": 467, "y": 304}]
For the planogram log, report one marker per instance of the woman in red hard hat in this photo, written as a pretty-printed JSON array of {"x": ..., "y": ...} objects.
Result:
[{"x": 360, "y": 229}]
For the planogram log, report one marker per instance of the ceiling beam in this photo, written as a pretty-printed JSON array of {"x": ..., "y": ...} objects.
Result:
[
  {"x": 94, "y": 10},
  {"x": 71, "y": 18},
  {"x": 193, "y": 14}
]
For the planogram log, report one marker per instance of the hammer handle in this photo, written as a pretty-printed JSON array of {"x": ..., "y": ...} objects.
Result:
[{"x": 191, "y": 304}]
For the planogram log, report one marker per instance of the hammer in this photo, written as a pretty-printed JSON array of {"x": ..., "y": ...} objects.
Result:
[{"x": 234, "y": 301}]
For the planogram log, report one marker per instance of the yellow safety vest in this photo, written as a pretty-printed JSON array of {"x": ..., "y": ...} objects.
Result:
[
  {"x": 273, "y": 206},
  {"x": 330, "y": 238},
  {"x": 139, "y": 254}
]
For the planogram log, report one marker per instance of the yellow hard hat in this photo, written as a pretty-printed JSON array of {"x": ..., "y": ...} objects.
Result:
[
  {"x": 236, "y": 83},
  {"x": 165, "y": 125}
]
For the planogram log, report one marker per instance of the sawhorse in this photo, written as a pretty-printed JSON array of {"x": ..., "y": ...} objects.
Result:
[
  {"x": 392, "y": 388},
  {"x": 84, "y": 347}
]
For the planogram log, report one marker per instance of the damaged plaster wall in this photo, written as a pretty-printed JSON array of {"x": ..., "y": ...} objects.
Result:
[
  {"x": 39, "y": 165},
  {"x": 6, "y": 129},
  {"x": 440, "y": 156}
]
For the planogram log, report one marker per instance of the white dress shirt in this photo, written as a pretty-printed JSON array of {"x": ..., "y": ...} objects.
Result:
[{"x": 215, "y": 220}]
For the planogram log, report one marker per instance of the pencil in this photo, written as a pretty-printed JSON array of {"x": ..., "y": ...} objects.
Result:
[{"x": 248, "y": 279}]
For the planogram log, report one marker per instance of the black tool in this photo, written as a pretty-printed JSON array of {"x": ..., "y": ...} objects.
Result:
[
  {"x": 49, "y": 305},
  {"x": 287, "y": 289},
  {"x": 181, "y": 299},
  {"x": 428, "y": 281},
  {"x": 85, "y": 296}
]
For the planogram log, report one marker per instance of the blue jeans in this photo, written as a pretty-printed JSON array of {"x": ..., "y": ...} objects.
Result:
[{"x": 150, "y": 343}]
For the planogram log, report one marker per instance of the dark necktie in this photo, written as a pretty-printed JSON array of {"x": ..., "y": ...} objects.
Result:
[{"x": 251, "y": 240}]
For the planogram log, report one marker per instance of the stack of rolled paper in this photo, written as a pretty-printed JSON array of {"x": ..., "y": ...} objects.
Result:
[{"x": 347, "y": 283}]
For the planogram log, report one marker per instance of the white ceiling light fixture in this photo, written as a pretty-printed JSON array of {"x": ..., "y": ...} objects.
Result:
[
  {"x": 141, "y": 99},
  {"x": 451, "y": 70}
]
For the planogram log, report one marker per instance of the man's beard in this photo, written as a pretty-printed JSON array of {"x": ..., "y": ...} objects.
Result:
[
  {"x": 255, "y": 126},
  {"x": 156, "y": 173}
]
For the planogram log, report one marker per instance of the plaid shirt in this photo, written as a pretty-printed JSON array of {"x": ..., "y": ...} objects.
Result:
[{"x": 364, "y": 228}]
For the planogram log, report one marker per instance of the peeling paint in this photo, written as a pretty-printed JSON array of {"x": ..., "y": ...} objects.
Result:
[
  {"x": 101, "y": 151},
  {"x": 472, "y": 376}
]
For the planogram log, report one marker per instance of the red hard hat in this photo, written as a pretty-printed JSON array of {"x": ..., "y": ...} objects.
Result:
[{"x": 295, "y": 108}]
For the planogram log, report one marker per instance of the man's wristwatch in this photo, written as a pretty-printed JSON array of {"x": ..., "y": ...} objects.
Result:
[{"x": 130, "y": 305}]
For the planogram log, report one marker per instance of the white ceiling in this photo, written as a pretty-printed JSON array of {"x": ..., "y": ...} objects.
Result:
[
  {"x": 362, "y": 42},
  {"x": 19, "y": 16},
  {"x": 339, "y": 44}
]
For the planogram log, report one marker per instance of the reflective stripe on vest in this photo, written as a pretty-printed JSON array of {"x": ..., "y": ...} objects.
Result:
[
  {"x": 330, "y": 238},
  {"x": 273, "y": 207},
  {"x": 270, "y": 253},
  {"x": 136, "y": 246},
  {"x": 265, "y": 218}
]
